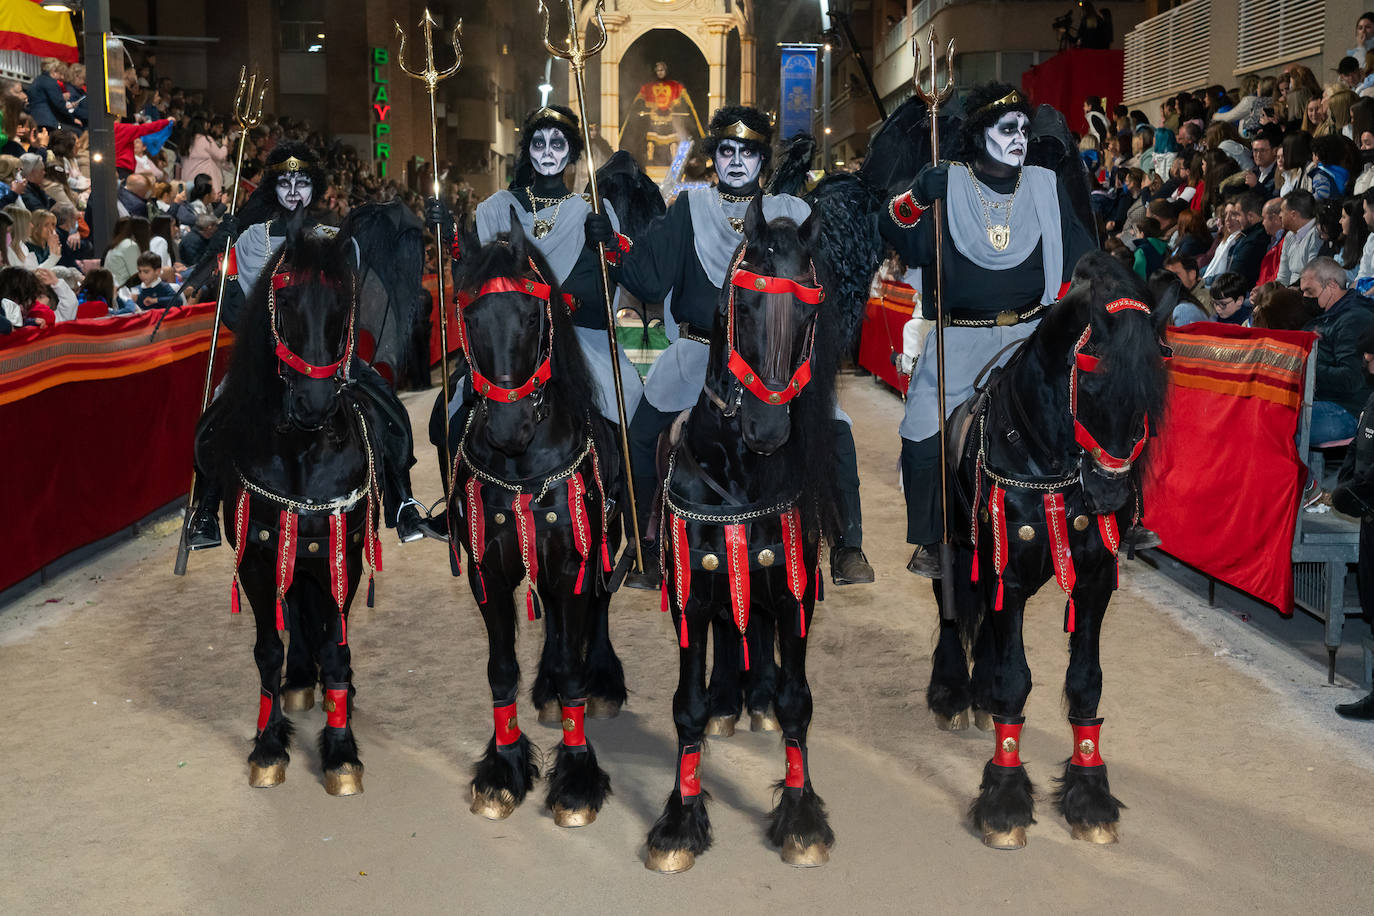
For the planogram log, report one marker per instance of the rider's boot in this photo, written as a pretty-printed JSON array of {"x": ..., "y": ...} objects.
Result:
[
  {"x": 202, "y": 526},
  {"x": 848, "y": 565}
]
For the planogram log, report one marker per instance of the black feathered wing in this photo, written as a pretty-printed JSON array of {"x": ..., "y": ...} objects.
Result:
[
  {"x": 901, "y": 146},
  {"x": 633, "y": 194},
  {"x": 393, "y": 305}
]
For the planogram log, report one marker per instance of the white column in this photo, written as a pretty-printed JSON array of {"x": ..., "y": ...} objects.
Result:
[
  {"x": 610, "y": 76},
  {"x": 717, "y": 28},
  {"x": 746, "y": 66}
]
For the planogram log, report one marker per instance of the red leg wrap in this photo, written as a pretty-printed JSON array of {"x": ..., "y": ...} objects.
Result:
[
  {"x": 689, "y": 771},
  {"x": 1087, "y": 748},
  {"x": 1008, "y": 730},
  {"x": 264, "y": 710},
  {"x": 507, "y": 727},
  {"x": 573, "y": 735},
  {"x": 796, "y": 765},
  {"x": 336, "y": 708}
]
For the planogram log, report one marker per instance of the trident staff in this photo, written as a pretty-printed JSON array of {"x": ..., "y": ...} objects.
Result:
[
  {"x": 248, "y": 114},
  {"x": 431, "y": 78},
  {"x": 576, "y": 56},
  {"x": 934, "y": 98}
]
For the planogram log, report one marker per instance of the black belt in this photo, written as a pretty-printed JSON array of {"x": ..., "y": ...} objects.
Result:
[
  {"x": 1003, "y": 319},
  {"x": 688, "y": 332}
]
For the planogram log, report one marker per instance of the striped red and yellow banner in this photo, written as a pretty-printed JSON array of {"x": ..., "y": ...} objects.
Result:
[{"x": 1212, "y": 358}]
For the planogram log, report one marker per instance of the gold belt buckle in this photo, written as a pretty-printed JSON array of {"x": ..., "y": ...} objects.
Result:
[{"x": 1007, "y": 318}]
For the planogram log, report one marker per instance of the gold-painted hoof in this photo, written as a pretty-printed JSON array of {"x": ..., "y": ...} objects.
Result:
[
  {"x": 1015, "y": 838},
  {"x": 551, "y": 713},
  {"x": 721, "y": 726},
  {"x": 572, "y": 817},
  {"x": 763, "y": 722},
  {"x": 298, "y": 699},
  {"x": 955, "y": 723},
  {"x": 1097, "y": 834},
  {"x": 598, "y": 708},
  {"x": 265, "y": 777},
  {"x": 799, "y": 856},
  {"x": 669, "y": 861},
  {"x": 346, "y": 780},
  {"x": 982, "y": 720},
  {"x": 495, "y": 807}
]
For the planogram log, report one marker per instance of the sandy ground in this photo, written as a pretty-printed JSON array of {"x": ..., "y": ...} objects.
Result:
[{"x": 133, "y": 698}]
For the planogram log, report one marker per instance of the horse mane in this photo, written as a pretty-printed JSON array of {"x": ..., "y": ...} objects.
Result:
[
  {"x": 571, "y": 388},
  {"x": 251, "y": 397}
]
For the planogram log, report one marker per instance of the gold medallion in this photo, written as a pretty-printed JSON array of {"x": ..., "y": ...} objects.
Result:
[
  {"x": 999, "y": 236},
  {"x": 543, "y": 227}
]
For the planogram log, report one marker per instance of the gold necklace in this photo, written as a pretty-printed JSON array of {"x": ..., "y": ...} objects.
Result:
[
  {"x": 543, "y": 227},
  {"x": 999, "y": 236},
  {"x": 736, "y": 222}
]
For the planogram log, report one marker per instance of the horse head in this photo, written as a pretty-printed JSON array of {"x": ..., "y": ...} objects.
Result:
[
  {"x": 771, "y": 302},
  {"x": 311, "y": 306},
  {"x": 506, "y": 319},
  {"x": 1116, "y": 377}
]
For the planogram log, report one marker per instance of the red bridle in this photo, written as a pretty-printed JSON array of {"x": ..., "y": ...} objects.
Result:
[
  {"x": 1085, "y": 362},
  {"x": 544, "y": 371},
  {"x": 280, "y": 281},
  {"x": 738, "y": 366}
]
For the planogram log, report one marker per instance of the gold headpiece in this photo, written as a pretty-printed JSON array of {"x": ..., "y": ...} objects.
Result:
[
  {"x": 290, "y": 164},
  {"x": 553, "y": 114},
  {"x": 739, "y": 131},
  {"x": 1011, "y": 98}
]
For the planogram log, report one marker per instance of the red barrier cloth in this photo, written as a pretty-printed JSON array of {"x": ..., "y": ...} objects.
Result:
[
  {"x": 1225, "y": 477},
  {"x": 1068, "y": 77},
  {"x": 431, "y": 283},
  {"x": 881, "y": 336},
  {"x": 98, "y": 424}
]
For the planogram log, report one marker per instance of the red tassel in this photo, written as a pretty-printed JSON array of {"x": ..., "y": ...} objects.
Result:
[
  {"x": 663, "y": 601},
  {"x": 744, "y": 649},
  {"x": 281, "y": 624},
  {"x": 234, "y": 596},
  {"x": 581, "y": 575},
  {"x": 977, "y": 492},
  {"x": 1069, "y": 624},
  {"x": 343, "y": 628},
  {"x": 682, "y": 637}
]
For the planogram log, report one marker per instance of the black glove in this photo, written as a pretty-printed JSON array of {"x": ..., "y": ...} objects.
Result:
[
  {"x": 598, "y": 229},
  {"x": 229, "y": 226},
  {"x": 437, "y": 212},
  {"x": 932, "y": 182}
]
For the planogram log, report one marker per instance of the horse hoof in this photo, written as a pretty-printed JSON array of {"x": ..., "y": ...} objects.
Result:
[
  {"x": 551, "y": 713},
  {"x": 494, "y": 807},
  {"x": 669, "y": 861},
  {"x": 763, "y": 722},
  {"x": 573, "y": 817},
  {"x": 799, "y": 856},
  {"x": 721, "y": 726},
  {"x": 598, "y": 708},
  {"x": 955, "y": 723},
  {"x": 265, "y": 777},
  {"x": 346, "y": 780},
  {"x": 1097, "y": 834},
  {"x": 1015, "y": 838},
  {"x": 297, "y": 699},
  {"x": 982, "y": 720}
]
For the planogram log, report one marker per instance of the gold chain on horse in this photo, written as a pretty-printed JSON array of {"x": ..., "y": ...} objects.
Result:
[
  {"x": 1011, "y": 483},
  {"x": 486, "y": 477},
  {"x": 716, "y": 519}
]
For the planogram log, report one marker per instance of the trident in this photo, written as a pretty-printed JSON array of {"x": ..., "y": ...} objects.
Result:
[
  {"x": 934, "y": 97},
  {"x": 576, "y": 56},
  {"x": 248, "y": 114},
  {"x": 431, "y": 78}
]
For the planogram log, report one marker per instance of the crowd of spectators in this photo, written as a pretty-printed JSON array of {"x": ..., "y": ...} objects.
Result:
[
  {"x": 175, "y": 159},
  {"x": 1259, "y": 201}
]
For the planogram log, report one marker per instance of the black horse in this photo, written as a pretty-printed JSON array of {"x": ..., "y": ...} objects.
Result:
[
  {"x": 534, "y": 481},
  {"x": 291, "y": 441},
  {"x": 747, "y": 495},
  {"x": 1048, "y": 458}
]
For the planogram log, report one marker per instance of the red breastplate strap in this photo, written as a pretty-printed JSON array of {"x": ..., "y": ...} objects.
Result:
[
  {"x": 542, "y": 372},
  {"x": 1008, "y": 731},
  {"x": 1087, "y": 751},
  {"x": 737, "y": 364}
]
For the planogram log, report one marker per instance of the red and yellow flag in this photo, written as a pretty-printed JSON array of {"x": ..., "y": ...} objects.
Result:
[{"x": 26, "y": 26}]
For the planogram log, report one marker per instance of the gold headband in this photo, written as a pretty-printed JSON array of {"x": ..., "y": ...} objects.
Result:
[
  {"x": 1011, "y": 98},
  {"x": 290, "y": 164},
  {"x": 739, "y": 131},
  {"x": 555, "y": 115}
]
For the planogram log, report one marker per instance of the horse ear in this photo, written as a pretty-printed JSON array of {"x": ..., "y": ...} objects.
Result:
[
  {"x": 519, "y": 242},
  {"x": 809, "y": 234},
  {"x": 754, "y": 220}
]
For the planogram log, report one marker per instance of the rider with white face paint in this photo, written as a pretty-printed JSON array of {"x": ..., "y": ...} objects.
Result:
[
  {"x": 738, "y": 165},
  {"x": 294, "y": 190},
  {"x": 1011, "y": 239}
]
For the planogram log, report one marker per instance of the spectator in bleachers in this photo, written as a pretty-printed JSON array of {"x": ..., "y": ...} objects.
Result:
[
  {"x": 1340, "y": 390},
  {"x": 125, "y": 134},
  {"x": 206, "y": 153},
  {"x": 1329, "y": 174},
  {"x": 131, "y": 238},
  {"x": 1229, "y": 299},
  {"x": 132, "y": 199},
  {"x": 195, "y": 241},
  {"x": 1150, "y": 249},
  {"x": 1186, "y": 269},
  {"x": 1164, "y": 152},
  {"x": 1194, "y": 239},
  {"x": 47, "y": 100},
  {"x": 21, "y": 255},
  {"x": 34, "y": 173},
  {"x": 162, "y": 242},
  {"x": 1354, "y": 235},
  {"x": 1301, "y": 239},
  {"x": 1273, "y": 227},
  {"x": 1364, "y": 36},
  {"x": 1229, "y": 229},
  {"x": 152, "y": 291},
  {"x": 1247, "y": 251},
  {"x": 1280, "y": 308},
  {"x": 99, "y": 286},
  {"x": 1264, "y": 153},
  {"x": 1294, "y": 162},
  {"x": 63, "y": 180},
  {"x": 73, "y": 246}
]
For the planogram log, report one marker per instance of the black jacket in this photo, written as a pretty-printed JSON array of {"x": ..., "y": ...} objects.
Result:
[
  {"x": 47, "y": 105},
  {"x": 1354, "y": 493},
  {"x": 35, "y": 198},
  {"x": 1340, "y": 364},
  {"x": 1248, "y": 253}
]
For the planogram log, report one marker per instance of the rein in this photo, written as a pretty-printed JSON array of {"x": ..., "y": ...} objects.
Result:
[
  {"x": 739, "y": 367},
  {"x": 544, "y": 370}
]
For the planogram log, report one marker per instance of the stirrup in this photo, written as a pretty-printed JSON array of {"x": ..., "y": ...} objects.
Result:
[{"x": 410, "y": 528}]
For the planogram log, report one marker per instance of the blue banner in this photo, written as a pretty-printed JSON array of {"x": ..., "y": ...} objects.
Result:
[{"x": 798, "y": 90}]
